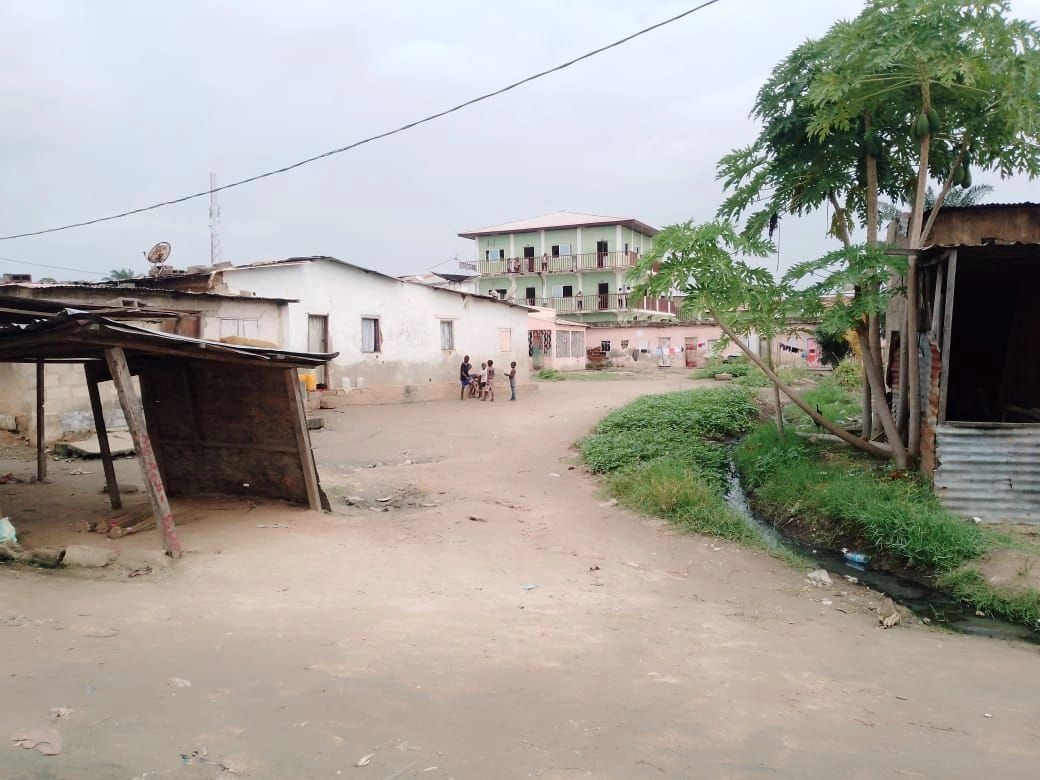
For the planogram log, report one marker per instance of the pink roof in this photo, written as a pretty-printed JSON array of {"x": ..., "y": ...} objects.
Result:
[{"x": 560, "y": 220}]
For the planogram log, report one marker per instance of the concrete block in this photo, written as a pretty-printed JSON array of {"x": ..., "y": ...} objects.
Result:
[
  {"x": 8, "y": 422},
  {"x": 141, "y": 559},
  {"x": 89, "y": 557},
  {"x": 48, "y": 557}
]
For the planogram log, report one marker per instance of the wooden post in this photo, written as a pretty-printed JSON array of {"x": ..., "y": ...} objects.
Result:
[
  {"x": 102, "y": 435},
  {"x": 310, "y": 470},
  {"x": 135, "y": 418},
  {"x": 41, "y": 455},
  {"x": 914, "y": 362},
  {"x": 947, "y": 328}
]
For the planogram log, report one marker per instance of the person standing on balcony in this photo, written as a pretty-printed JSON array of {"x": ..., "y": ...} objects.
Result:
[
  {"x": 511, "y": 375},
  {"x": 579, "y": 300}
]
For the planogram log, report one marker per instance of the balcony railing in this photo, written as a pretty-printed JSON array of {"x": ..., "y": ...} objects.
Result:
[
  {"x": 580, "y": 304},
  {"x": 552, "y": 264}
]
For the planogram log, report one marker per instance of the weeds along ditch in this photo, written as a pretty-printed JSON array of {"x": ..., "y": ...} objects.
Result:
[{"x": 673, "y": 456}]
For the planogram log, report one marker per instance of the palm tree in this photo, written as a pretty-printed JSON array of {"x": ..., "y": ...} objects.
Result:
[
  {"x": 119, "y": 274},
  {"x": 957, "y": 198}
]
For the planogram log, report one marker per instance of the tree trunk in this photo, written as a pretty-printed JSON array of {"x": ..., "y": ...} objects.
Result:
[
  {"x": 913, "y": 435},
  {"x": 874, "y": 342},
  {"x": 867, "y": 395},
  {"x": 776, "y": 393},
  {"x": 904, "y": 377},
  {"x": 819, "y": 419},
  {"x": 884, "y": 413}
]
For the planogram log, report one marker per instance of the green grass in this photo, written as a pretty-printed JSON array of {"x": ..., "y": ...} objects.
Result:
[
  {"x": 834, "y": 401},
  {"x": 970, "y": 586},
  {"x": 894, "y": 513},
  {"x": 888, "y": 513},
  {"x": 663, "y": 457},
  {"x": 756, "y": 377},
  {"x": 549, "y": 375},
  {"x": 554, "y": 375},
  {"x": 715, "y": 413},
  {"x": 715, "y": 366},
  {"x": 671, "y": 488}
]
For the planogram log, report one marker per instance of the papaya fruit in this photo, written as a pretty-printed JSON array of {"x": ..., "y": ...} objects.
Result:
[
  {"x": 966, "y": 181},
  {"x": 933, "y": 120},
  {"x": 958, "y": 176},
  {"x": 923, "y": 128}
]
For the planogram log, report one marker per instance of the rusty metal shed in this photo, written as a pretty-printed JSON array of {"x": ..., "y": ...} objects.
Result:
[
  {"x": 977, "y": 328},
  {"x": 211, "y": 417}
]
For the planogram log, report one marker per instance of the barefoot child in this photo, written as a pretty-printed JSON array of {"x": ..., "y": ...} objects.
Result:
[{"x": 489, "y": 388}]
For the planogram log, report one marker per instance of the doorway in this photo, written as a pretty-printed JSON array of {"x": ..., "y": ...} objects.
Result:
[
  {"x": 529, "y": 258},
  {"x": 691, "y": 351},
  {"x": 601, "y": 254},
  {"x": 318, "y": 341},
  {"x": 603, "y": 290},
  {"x": 529, "y": 295}
]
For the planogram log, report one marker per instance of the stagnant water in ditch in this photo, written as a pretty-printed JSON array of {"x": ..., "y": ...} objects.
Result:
[{"x": 923, "y": 601}]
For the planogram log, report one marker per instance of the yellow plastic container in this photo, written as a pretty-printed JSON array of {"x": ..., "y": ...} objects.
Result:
[{"x": 311, "y": 381}]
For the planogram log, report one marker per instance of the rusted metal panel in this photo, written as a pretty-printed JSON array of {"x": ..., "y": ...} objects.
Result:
[{"x": 992, "y": 473}]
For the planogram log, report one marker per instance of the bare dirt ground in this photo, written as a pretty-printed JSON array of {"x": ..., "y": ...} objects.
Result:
[{"x": 405, "y": 640}]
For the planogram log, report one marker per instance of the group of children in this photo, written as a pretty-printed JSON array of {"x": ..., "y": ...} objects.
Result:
[{"x": 482, "y": 385}]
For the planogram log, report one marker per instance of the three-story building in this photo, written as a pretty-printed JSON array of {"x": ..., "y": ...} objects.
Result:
[{"x": 577, "y": 264}]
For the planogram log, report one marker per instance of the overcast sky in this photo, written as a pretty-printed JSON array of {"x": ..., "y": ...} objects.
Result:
[{"x": 113, "y": 105}]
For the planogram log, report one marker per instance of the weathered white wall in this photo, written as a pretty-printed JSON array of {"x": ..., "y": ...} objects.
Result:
[
  {"x": 269, "y": 317},
  {"x": 409, "y": 315},
  {"x": 67, "y": 408}
]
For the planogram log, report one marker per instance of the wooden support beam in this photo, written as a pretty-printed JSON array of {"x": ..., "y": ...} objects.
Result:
[
  {"x": 135, "y": 418},
  {"x": 914, "y": 362},
  {"x": 41, "y": 402},
  {"x": 947, "y": 330},
  {"x": 303, "y": 443},
  {"x": 102, "y": 434}
]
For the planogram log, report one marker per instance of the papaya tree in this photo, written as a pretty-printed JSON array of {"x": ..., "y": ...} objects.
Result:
[
  {"x": 908, "y": 92},
  {"x": 958, "y": 84},
  {"x": 787, "y": 171},
  {"x": 704, "y": 263}
]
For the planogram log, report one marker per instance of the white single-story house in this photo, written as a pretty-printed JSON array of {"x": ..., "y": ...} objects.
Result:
[{"x": 397, "y": 340}]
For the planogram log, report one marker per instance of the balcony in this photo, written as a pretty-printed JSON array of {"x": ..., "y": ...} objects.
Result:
[
  {"x": 547, "y": 264},
  {"x": 583, "y": 304}
]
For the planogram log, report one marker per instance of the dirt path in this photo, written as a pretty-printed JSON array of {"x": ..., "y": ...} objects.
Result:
[{"x": 408, "y": 634}]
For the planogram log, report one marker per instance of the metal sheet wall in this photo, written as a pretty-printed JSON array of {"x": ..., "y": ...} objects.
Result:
[{"x": 990, "y": 473}]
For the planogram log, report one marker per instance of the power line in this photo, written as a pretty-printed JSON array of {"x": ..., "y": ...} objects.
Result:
[
  {"x": 52, "y": 267},
  {"x": 371, "y": 138}
]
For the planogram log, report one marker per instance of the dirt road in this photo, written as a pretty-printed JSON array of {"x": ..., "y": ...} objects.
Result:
[{"x": 414, "y": 635}]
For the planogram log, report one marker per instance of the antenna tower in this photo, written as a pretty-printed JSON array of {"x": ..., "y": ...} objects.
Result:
[{"x": 214, "y": 222}]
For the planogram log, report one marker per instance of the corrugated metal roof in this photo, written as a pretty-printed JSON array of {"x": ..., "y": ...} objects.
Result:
[
  {"x": 560, "y": 220},
  {"x": 989, "y": 473}
]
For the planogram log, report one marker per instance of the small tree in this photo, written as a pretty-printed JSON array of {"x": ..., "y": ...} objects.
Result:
[
  {"x": 702, "y": 263},
  {"x": 119, "y": 274}
]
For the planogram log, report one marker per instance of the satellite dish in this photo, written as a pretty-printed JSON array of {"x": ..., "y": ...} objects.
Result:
[{"x": 158, "y": 254}]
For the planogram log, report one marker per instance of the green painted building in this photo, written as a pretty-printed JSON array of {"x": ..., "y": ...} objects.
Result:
[{"x": 577, "y": 264}]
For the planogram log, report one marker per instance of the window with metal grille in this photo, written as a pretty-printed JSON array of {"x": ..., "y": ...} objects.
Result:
[{"x": 563, "y": 343}]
